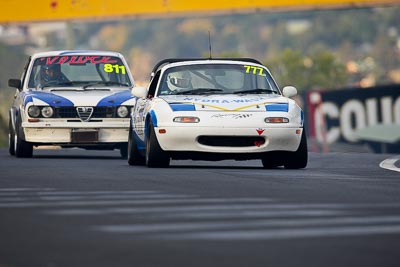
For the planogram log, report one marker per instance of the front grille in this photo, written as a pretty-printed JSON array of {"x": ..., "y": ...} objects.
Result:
[
  {"x": 64, "y": 112},
  {"x": 105, "y": 112},
  {"x": 231, "y": 141},
  {"x": 98, "y": 112},
  {"x": 85, "y": 113}
]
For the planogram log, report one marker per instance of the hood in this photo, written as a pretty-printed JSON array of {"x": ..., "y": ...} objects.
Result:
[
  {"x": 249, "y": 103},
  {"x": 91, "y": 98}
]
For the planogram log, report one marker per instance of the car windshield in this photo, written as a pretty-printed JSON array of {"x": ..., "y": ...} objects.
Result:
[
  {"x": 78, "y": 71},
  {"x": 207, "y": 79}
]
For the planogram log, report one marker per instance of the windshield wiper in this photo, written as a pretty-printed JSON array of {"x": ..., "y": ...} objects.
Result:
[
  {"x": 256, "y": 91},
  {"x": 104, "y": 83},
  {"x": 199, "y": 91},
  {"x": 56, "y": 84}
]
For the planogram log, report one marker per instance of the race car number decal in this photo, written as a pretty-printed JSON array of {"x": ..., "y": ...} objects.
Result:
[
  {"x": 254, "y": 70},
  {"x": 117, "y": 68}
]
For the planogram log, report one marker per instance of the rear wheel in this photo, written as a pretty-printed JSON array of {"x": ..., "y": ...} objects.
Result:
[
  {"x": 134, "y": 156},
  {"x": 155, "y": 156},
  {"x": 11, "y": 139},
  {"x": 299, "y": 158}
]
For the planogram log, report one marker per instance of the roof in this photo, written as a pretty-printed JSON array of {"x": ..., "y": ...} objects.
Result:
[
  {"x": 188, "y": 61},
  {"x": 76, "y": 52}
]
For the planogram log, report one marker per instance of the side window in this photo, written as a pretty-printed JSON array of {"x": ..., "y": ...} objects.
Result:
[
  {"x": 25, "y": 74},
  {"x": 153, "y": 84},
  {"x": 34, "y": 77}
]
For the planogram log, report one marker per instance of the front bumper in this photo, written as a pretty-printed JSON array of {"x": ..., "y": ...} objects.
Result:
[
  {"x": 187, "y": 139},
  {"x": 61, "y": 132}
]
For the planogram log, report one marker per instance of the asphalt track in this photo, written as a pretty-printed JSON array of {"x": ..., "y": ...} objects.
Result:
[{"x": 76, "y": 208}]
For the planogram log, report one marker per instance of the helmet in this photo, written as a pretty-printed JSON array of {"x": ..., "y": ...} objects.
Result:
[
  {"x": 179, "y": 81},
  {"x": 50, "y": 72}
]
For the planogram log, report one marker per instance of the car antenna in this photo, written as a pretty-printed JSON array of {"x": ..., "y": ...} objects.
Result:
[{"x": 209, "y": 43}]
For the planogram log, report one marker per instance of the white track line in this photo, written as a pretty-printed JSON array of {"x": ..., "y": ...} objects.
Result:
[
  {"x": 265, "y": 234},
  {"x": 389, "y": 164}
]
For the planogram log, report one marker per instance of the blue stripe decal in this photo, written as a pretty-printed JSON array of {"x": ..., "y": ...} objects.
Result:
[
  {"x": 27, "y": 99},
  {"x": 283, "y": 107},
  {"x": 116, "y": 99},
  {"x": 50, "y": 98},
  {"x": 302, "y": 117},
  {"x": 153, "y": 118},
  {"x": 140, "y": 145},
  {"x": 182, "y": 107}
]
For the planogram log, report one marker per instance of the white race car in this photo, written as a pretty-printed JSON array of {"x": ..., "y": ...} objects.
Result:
[
  {"x": 216, "y": 109},
  {"x": 71, "y": 99}
]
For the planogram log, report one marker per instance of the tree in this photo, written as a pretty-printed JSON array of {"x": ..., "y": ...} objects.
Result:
[{"x": 318, "y": 70}]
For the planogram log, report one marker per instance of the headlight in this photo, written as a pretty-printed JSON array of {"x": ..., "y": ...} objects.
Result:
[
  {"x": 276, "y": 120},
  {"x": 47, "y": 112},
  {"x": 34, "y": 111},
  {"x": 186, "y": 119},
  {"x": 122, "y": 111}
]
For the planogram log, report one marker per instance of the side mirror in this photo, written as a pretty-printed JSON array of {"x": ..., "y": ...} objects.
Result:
[
  {"x": 289, "y": 91},
  {"x": 16, "y": 83},
  {"x": 139, "y": 92}
]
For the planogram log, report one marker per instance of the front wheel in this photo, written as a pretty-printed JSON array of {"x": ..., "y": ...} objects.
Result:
[
  {"x": 23, "y": 149},
  {"x": 272, "y": 160},
  {"x": 155, "y": 156},
  {"x": 134, "y": 156},
  {"x": 299, "y": 158}
]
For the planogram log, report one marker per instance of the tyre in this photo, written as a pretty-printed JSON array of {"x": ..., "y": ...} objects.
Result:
[
  {"x": 134, "y": 156},
  {"x": 11, "y": 139},
  {"x": 155, "y": 156},
  {"x": 23, "y": 149},
  {"x": 272, "y": 160},
  {"x": 123, "y": 150},
  {"x": 299, "y": 158}
]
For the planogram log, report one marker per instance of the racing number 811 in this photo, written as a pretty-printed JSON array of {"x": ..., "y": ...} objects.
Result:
[{"x": 117, "y": 68}]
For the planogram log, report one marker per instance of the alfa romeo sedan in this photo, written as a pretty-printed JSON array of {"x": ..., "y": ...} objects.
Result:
[{"x": 71, "y": 99}]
